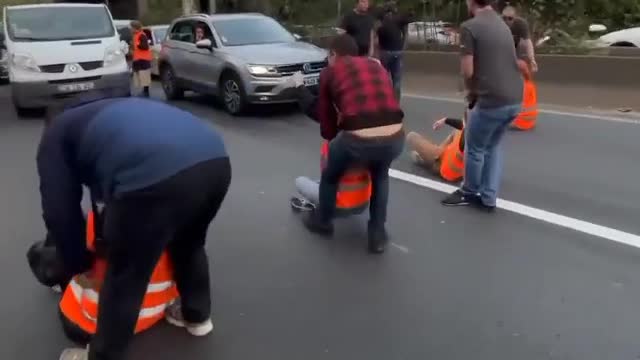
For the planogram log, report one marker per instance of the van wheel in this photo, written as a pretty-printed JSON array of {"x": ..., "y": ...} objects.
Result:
[
  {"x": 172, "y": 90},
  {"x": 233, "y": 95},
  {"x": 20, "y": 111}
]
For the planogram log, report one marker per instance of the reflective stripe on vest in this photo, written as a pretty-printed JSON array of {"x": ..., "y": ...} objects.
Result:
[
  {"x": 354, "y": 187},
  {"x": 452, "y": 159},
  {"x": 139, "y": 54}
]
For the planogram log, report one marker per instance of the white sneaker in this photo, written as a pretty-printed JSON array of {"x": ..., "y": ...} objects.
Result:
[
  {"x": 416, "y": 158},
  {"x": 173, "y": 315},
  {"x": 56, "y": 289},
  {"x": 74, "y": 354}
]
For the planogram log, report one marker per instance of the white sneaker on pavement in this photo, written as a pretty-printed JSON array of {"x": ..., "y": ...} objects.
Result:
[
  {"x": 173, "y": 315},
  {"x": 416, "y": 158}
]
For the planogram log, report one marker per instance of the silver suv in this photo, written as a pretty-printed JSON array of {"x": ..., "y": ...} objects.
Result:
[{"x": 243, "y": 59}]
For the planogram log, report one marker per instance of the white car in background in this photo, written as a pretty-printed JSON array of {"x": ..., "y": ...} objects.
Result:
[
  {"x": 431, "y": 32},
  {"x": 626, "y": 37}
]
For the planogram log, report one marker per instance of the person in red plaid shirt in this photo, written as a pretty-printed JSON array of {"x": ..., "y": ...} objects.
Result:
[{"x": 359, "y": 113}]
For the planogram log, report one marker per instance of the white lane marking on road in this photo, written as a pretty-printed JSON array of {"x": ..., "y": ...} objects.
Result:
[
  {"x": 539, "y": 214},
  {"x": 404, "y": 249},
  {"x": 552, "y": 112}
]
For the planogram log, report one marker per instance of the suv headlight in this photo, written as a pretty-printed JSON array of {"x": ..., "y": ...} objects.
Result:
[
  {"x": 24, "y": 62},
  {"x": 263, "y": 70},
  {"x": 113, "y": 56}
]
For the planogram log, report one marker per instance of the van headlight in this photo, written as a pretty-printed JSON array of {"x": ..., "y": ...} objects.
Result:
[
  {"x": 24, "y": 62},
  {"x": 114, "y": 56}
]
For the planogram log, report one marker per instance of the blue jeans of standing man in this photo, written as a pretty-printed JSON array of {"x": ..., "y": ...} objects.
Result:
[
  {"x": 483, "y": 151},
  {"x": 392, "y": 61}
]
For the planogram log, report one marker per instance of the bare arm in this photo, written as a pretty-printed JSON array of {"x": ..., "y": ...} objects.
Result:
[{"x": 466, "y": 61}]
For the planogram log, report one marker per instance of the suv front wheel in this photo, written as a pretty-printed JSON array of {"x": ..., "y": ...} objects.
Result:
[
  {"x": 233, "y": 95},
  {"x": 172, "y": 89}
]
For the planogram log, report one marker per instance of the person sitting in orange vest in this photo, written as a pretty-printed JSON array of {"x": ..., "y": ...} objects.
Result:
[
  {"x": 527, "y": 119},
  {"x": 142, "y": 57},
  {"x": 354, "y": 190},
  {"x": 78, "y": 307},
  {"x": 446, "y": 159}
]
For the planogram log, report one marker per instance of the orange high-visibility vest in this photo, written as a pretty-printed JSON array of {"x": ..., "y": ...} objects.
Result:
[
  {"x": 452, "y": 159},
  {"x": 527, "y": 118},
  {"x": 79, "y": 302},
  {"x": 139, "y": 54},
  {"x": 354, "y": 188}
]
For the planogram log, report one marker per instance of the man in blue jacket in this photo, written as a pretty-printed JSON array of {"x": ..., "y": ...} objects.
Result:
[{"x": 163, "y": 174}]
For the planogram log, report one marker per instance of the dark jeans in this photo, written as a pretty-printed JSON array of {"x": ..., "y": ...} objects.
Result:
[
  {"x": 392, "y": 61},
  {"x": 138, "y": 226},
  {"x": 376, "y": 154}
]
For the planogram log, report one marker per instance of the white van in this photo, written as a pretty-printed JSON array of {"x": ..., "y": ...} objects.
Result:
[{"x": 58, "y": 50}]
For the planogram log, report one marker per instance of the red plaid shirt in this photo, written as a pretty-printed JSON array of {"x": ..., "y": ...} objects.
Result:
[{"x": 359, "y": 89}]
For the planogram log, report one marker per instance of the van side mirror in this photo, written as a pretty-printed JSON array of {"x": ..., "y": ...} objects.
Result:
[
  {"x": 297, "y": 37},
  {"x": 204, "y": 44},
  {"x": 597, "y": 28}
]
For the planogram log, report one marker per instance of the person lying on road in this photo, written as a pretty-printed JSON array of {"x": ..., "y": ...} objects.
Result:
[
  {"x": 78, "y": 307},
  {"x": 354, "y": 188},
  {"x": 446, "y": 159},
  {"x": 162, "y": 174}
]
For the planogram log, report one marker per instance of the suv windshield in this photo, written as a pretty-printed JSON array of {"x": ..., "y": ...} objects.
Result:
[
  {"x": 251, "y": 31},
  {"x": 58, "y": 23}
]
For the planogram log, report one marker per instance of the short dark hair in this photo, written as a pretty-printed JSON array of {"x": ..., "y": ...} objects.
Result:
[
  {"x": 483, "y": 2},
  {"x": 344, "y": 45}
]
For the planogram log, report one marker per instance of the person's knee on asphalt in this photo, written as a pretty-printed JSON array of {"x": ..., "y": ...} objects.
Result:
[
  {"x": 165, "y": 199},
  {"x": 490, "y": 69},
  {"x": 367, "y": 132}
]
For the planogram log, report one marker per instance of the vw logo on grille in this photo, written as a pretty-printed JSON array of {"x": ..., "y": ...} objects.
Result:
[
  {"x": 306, "y": 68},
  {"x": 73, "y": 68}
]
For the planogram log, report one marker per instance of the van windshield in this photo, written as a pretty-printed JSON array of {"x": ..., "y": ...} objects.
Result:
[{"x": 58, "y": 23}]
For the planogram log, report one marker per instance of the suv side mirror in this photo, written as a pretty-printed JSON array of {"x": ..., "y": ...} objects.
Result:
[
  {"x": 298, "y": 37},
  {"x": 204, "y": 44}
]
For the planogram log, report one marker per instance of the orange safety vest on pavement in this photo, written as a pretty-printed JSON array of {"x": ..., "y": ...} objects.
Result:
[
  {"x": 79, "y": 302},
  {"x": 452, "y": 159},
  {"x": 527, "y": 118},
  {"x": 139, "y": 54},
  {"x": 354, "y": 188}
]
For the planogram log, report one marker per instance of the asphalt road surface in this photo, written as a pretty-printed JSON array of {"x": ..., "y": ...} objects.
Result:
[{"x": 455, "y": 285}]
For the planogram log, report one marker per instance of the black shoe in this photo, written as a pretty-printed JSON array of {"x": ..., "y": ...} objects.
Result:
[
  {"x": 378, "y": 239},
  {"x": 457, "y": 198},
  {"x": 312, "y": 222},
  {"x": 482, "y": 207},
  {"x": 301, "y": 204}
]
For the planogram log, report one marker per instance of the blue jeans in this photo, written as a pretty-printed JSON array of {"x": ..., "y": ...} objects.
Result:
[
  {"x": 392, "y": 61},
  {"x": 376, "y": 154},
  {"x": 483, "y": 151}
]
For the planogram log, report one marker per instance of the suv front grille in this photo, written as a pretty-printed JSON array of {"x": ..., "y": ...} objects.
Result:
[
  {"x": 58, "y": 68},
  {"x": 314, "y": 67}
]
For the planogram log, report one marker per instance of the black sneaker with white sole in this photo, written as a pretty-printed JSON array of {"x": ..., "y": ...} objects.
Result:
[{"x": 457, "y": 198}]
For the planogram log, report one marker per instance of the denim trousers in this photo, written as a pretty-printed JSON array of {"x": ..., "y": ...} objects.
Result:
[
  {"x": 483, "y": 150},
  {"x": 376, "y": 154},
  {"x": 392, "y": 62}
]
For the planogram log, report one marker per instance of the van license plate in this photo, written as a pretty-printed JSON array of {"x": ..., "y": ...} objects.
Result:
[
  {"x": 76, "y": 87},
  {"x": 311, "y": 81}
]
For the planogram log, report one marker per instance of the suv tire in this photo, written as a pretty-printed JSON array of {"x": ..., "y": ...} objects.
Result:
[
  {"x": 20, "y": 111},
  {"x": 172, "y": 89},
  {"x": 232, "y": 94}
]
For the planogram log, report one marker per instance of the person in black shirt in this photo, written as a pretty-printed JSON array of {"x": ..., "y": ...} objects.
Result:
[
  {"x": 360, "y": 24},
  {"x": 391, "y": 40}
]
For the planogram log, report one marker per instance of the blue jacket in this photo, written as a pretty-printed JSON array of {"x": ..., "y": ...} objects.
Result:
[{"x": 112, "y": 146}]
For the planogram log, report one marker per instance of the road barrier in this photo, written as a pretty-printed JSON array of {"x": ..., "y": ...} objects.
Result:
[{"x": 604, "y": 72}]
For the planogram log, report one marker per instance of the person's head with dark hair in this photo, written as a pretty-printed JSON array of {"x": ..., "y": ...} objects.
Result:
[
  {"x": 362, "y": 6},
  {"x": 474, "y": 5},
  {"x": 136, "y": 25},
  {"x": 342, "y": 45},
  {"x": 200, "y": 33}
]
